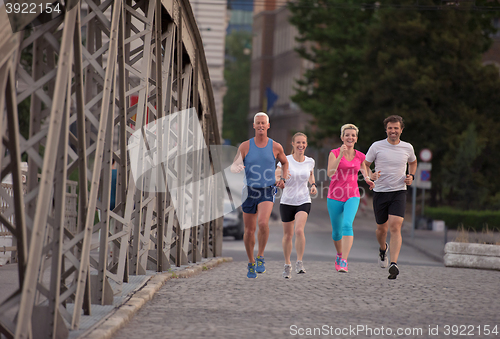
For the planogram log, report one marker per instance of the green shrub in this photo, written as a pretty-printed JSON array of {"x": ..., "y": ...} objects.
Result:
[{"x": 471, "y": 219}]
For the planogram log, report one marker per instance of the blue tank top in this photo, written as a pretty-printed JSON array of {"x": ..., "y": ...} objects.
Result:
[{"x": 260, "y": 165}]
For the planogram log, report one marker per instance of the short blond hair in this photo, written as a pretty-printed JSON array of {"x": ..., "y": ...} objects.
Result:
[
  {"x": 348, "y": 126},
  {"x": 260, "y": 114}
]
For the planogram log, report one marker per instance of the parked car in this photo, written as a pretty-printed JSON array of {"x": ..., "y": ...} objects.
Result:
[{"x": 233, "y": 222}]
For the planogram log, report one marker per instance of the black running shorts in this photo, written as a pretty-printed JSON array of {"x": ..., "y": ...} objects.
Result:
[
  {"x": 288, "y": 211},
  {"x": 388, "y": 203}
]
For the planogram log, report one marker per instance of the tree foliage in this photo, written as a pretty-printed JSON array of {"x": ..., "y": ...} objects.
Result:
[
  {"x": 334, "y": 40},
  {"x": 423, "y": 65},
  {"x": 237, "y": 76}
]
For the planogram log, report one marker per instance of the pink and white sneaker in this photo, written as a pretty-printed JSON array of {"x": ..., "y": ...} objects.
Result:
[
  {"x": 337, "y": 262},
  {"x": 343, "y": 266}
]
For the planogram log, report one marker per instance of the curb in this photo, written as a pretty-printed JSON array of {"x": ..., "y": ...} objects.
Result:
[
  {"x": 467, "y": 255},
  {"x": 123, "y": 313}
]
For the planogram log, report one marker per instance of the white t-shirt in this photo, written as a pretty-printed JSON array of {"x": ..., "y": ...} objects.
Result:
[
  {"x": 296, "y": 191},
  {"x": 391, "y": 161}
]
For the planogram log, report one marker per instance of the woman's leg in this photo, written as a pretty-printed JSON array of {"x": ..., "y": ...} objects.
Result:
[
  {"x": 336, "y": 212},
  {"x": 350, "y": 209},
  {"x": 300, "y": 238},
  {"x": 287, "y": 240}
]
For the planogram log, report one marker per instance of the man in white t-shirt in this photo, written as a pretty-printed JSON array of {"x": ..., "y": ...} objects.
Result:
[{"x": 389, "y": 198}]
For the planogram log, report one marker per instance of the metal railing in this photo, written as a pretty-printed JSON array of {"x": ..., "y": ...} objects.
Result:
[{"x": 86, "y": 66}]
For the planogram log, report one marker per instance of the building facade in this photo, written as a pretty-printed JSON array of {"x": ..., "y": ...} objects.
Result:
[
  {"x": 240, "y": 15},
  {"x": 276, "y": 67},
  {"x": 212, "y": 19}
]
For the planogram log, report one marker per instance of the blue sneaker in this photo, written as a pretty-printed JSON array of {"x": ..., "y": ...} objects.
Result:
[
  {"x": 260, "y": 265},
  {"x": 251, "y": 271}
]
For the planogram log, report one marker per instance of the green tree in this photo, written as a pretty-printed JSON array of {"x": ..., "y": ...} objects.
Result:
[
  {"x": 333, "y": 34},
  {"x": 425, "y": 66},
  {"x": 237, "y": 76},
  {"x": 462, "y": 177}
]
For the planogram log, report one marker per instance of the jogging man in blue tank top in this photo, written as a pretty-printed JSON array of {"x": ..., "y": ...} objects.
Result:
[{"x": 257, "y": 157}]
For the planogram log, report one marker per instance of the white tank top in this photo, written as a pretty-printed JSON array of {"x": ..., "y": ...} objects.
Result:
[{"x": 296, "y": 191}]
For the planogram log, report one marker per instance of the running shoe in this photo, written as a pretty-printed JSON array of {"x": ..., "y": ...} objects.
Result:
[
  {"x": 299, "y": 267},
  {"x": 260, "y": 265},
  {"x": 393, "y": 271},
  {"x": 287, "y": 272},
  {"x": 383, "y": 256},
  {"x": 251, "y": 271},
  {"x": 337, "y": 262},
  {"x": 343, "y": 266}
]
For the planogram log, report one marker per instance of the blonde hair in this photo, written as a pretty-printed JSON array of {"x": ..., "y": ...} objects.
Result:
[
  {"x": 260, "y": 114},
  {"x": 298, "y": 134},
  {"x": 348, "y": 126}
]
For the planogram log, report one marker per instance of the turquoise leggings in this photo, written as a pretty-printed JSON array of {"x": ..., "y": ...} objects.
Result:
[{"x": 342, "y": 216}]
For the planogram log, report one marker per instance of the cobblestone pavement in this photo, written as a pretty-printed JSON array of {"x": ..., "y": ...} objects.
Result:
[{"x": 223, "y": 303}]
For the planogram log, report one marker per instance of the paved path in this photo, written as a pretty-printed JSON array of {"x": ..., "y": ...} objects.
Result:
[
  {"x": 427, "y": 297},
  {"x": 223, "y": 303}
]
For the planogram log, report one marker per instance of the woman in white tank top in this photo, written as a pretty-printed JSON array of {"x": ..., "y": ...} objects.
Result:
[{"x": 295, "y": 202}]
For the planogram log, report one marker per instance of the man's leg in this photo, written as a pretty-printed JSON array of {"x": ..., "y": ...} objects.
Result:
[
  {"x": 264, "y": 210},
  {"x": 381, "y": 210},
  {"x": 249, "y": 220},
  {"x": 381, "y": 234},
  {"x": 395, "y": 223}
]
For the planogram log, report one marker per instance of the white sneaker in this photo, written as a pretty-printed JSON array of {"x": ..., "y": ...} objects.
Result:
[
  {"x": 383, "y": 256},
  {"x": 299, "y": 267},
  {"x": 287, "y": 273}
]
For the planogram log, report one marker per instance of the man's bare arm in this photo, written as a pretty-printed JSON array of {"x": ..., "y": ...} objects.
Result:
[
  {"x": 237, "y": 165},
  {"x": 280, "y": 155},
  {"x": 412, "y": 169}
]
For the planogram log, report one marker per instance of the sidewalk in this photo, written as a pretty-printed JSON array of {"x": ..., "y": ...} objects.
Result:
[{"x": 430, "y": 243}]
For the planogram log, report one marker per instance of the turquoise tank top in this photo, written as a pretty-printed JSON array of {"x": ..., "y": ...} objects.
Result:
[{"x": 260, "y": 165}]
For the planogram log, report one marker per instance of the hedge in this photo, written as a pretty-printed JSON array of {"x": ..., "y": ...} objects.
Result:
[{"x": 470, "y": 219}]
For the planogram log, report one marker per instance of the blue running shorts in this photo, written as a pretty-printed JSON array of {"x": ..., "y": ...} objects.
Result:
[{"x": 256, "y": 196}]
